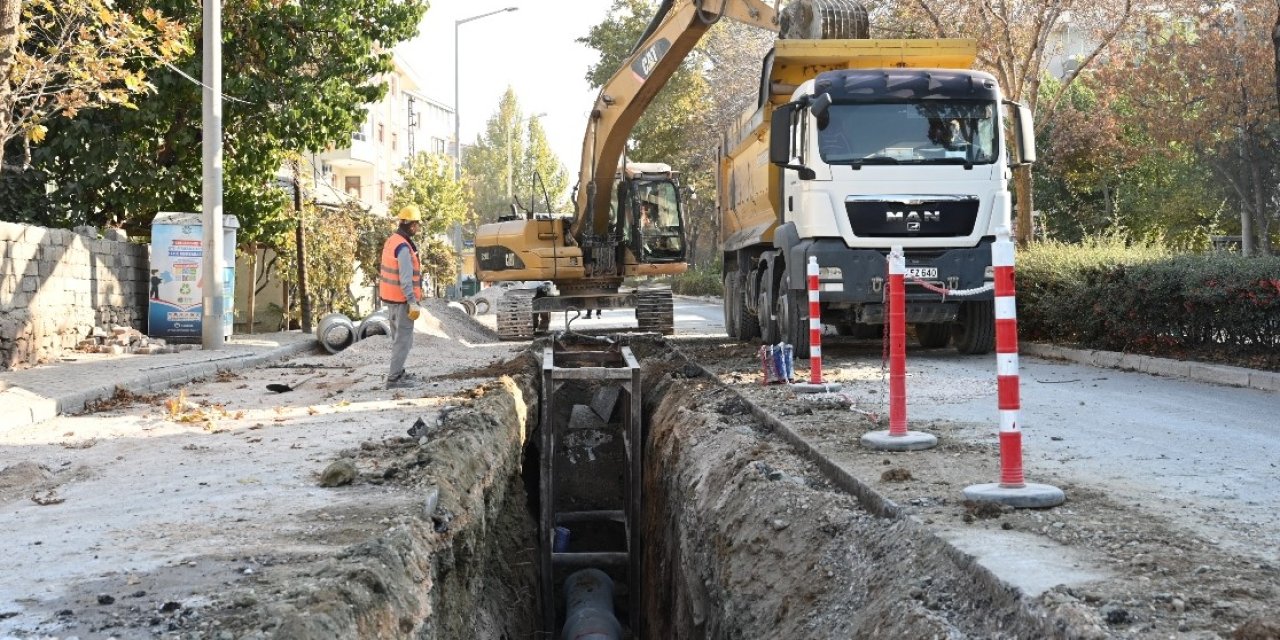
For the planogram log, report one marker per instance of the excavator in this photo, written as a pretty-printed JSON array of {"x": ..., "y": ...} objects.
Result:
[{"x": 628, "y": 218}]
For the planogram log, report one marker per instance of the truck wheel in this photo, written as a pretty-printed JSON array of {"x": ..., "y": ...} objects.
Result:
[
  {"x": 769, "y": 333},
  {"x": 933, "y": 335},
  {"x": 730, "y": 294},
  {"x": 793, "y": 318},
  {"x": 975, "y": 328}
]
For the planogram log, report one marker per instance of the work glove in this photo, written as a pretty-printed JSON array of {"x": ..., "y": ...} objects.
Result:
[{"x": 414, "y": 311}]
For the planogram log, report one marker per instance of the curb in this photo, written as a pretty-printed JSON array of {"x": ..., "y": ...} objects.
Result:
[
  {"x": 34, "y": 409},
  {"x": 1198, "y": 371}
]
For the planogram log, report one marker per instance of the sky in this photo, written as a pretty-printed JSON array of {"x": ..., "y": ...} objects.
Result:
[{"x": 532, "y": 50}]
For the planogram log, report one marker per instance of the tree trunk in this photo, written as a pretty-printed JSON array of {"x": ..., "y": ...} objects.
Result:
[
  {"x": 1263, "y": 245},
  {"x": 253, "y": 286},
  {"x": 1275, "y": 44},
  {"x": 1022, "y": 187},
  {"x": 10, "y": 13}
]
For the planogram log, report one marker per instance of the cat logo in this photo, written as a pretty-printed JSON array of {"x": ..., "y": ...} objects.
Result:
[{"x": 644, "y": 65}]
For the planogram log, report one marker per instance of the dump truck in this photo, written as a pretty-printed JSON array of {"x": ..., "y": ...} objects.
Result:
[{"x": 853, "y": 147}]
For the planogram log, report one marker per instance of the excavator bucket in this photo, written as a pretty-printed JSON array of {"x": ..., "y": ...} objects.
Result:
[{"x": 824, "y": 20}]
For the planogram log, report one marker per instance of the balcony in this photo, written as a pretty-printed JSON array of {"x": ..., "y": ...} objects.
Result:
[{"x": 361, "y": 154}]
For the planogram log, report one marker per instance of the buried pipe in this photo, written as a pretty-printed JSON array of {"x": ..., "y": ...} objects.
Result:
[
  {"x": 377, "y": 324},
  {"x": 335, "y": 332},
  {"x": 588, "y": 596}
]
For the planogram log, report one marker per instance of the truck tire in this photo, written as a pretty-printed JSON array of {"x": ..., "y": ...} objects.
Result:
[
  {"x": 793, "y": 318},
  {"x": 975, "y": 328},
  {"x": 748, "y": 323},
  {"x": 933, "y": 335},
  {"x": 769, "y": 333},
  {"x": 730, "y": 293}
]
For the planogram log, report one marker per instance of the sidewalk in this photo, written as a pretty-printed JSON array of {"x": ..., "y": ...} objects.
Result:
[
  {"x": 1191, "y": 370},
  {"x": 41, "y": 393}
]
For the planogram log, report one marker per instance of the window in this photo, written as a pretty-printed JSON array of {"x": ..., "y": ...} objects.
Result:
[
  {"x": 395, "y": 137},
  {"x": 333, "y": 179},
  {"x": 352, "y": 186},
  {"x": 382, "y": 191},
  {"x": 381, "y": 132},
  {"x": 437, "y": 145},
  {"x": 918, "y": 132}
]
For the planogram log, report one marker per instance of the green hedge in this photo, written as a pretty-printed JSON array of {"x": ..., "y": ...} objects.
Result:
[
  {"x": 1107, "y": 294},
  {"x": 704, "y": 280}
]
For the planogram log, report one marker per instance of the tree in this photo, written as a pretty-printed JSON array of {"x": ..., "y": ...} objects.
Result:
[
  {"x": 58, "y": 58},
  {"x": 427, "y": 181},
  {"x": 1204, "y": 84},
  {"x": 297, "y": 77},
  {"x": 501, "y": 151}
]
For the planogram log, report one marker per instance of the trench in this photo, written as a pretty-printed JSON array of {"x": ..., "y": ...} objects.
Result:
[{"x": 741, "y": 534}]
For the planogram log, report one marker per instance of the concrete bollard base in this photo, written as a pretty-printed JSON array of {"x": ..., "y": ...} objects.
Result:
[
  {"x": 1028, "y": 496},
  {"x": 809, "y": 387},
  {"x": 912, "y": 441}
]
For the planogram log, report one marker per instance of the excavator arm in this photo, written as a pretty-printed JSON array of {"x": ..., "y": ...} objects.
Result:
[{"x": 674, "y": 31}]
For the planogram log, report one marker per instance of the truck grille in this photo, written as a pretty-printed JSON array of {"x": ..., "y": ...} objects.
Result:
[{"x": 912, "y": 218}]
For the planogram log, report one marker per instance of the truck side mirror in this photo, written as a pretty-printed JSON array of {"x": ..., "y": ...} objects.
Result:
[
  {"x": 1025, "y": 134},
  {"x": 780, "y": 141},
  {"x": 780, "y": 135}
]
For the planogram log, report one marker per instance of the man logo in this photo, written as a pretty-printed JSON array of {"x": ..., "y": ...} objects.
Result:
[{"x": 913, "y": 216}]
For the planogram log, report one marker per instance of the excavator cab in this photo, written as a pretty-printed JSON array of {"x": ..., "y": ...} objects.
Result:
[
  {"x": 651, "y": 223},
  {"x": 655, "y": 229}
]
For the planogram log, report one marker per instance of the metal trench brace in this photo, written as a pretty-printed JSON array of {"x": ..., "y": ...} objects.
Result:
[{"x": 565, "y": 536}]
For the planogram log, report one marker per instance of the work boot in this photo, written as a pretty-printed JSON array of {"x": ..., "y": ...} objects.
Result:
[{"x": 405, "y": 380}]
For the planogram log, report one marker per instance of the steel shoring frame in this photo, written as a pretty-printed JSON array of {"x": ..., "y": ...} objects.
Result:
[{"x": 621, "y": 368}]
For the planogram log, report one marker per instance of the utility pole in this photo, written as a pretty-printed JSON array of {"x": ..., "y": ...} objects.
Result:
[{"x": 213, "y": 322}]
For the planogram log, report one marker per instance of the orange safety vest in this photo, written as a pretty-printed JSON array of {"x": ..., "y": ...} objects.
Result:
[{"x": 389, "y": 282}]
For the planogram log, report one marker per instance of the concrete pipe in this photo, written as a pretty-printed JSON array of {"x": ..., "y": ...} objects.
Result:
[
  {"x": 588, "y": 597},
  {"x": 335, "y": 332},
  {"x": 377, "y": 324}
]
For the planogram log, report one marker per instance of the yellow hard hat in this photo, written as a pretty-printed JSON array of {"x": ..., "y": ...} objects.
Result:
[{"x": 410, "y": 213}]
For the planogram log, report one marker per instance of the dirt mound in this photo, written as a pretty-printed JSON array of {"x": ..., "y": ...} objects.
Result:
[{"x": 456, "y": 324}]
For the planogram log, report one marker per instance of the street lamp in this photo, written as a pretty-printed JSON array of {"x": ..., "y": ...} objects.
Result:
[
  {"x": 457, "y": 128},
  {"x": 516, "y": 125},
  {"x": 457, "y": 112}
]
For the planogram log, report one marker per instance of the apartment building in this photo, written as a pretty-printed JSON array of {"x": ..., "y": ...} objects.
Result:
[{"x": 405, "y": 122}]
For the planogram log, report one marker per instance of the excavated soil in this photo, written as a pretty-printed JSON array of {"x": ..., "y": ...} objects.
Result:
[{"x": 1104, "y": 570}]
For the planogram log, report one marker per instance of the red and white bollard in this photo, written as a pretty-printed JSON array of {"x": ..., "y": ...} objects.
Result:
[
  {"x": 815, "y": 383},
  {"x": 1012, "y": 489},
  {"x": 898, "y": 438}
]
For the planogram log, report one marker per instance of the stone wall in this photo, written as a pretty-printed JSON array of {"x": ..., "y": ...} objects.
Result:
[{"x": 56, "y": 285}]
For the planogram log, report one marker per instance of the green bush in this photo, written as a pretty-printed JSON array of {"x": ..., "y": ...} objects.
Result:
[
  {"x": 704, "y": 280},
  {"x": 1108, "y": 294}
]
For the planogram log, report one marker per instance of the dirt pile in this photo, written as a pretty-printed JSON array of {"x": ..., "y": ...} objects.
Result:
[{"x": 749, "y": 540}]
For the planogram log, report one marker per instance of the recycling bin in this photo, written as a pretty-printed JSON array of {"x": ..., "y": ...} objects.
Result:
[{"x": 175, "y": 307}]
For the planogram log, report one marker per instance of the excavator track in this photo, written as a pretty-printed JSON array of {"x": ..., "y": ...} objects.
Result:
[
  {"x": 515, "y": 314},
  {"x": 654, "y": 311}
]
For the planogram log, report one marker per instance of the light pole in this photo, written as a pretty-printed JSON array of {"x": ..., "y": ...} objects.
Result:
[
  {"x": 510, "y": 171},
  {"x": 213, "y": 325},
  {"x": 457, "y": 128}
]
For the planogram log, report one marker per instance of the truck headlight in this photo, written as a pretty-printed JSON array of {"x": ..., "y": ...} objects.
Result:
[{"x": 830, "y": 273}]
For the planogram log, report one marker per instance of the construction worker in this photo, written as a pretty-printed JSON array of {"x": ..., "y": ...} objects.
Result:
[{"x": 400, "y": 287}]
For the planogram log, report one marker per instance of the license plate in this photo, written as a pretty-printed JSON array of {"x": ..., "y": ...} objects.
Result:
[{"x": 923, "y": 273}]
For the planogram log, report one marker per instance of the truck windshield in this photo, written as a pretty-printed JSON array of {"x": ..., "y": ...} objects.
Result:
[{"x": 921, "y": 132}]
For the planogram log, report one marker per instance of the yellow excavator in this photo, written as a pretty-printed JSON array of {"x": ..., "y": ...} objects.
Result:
[{"x": 628, "y": 216}]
